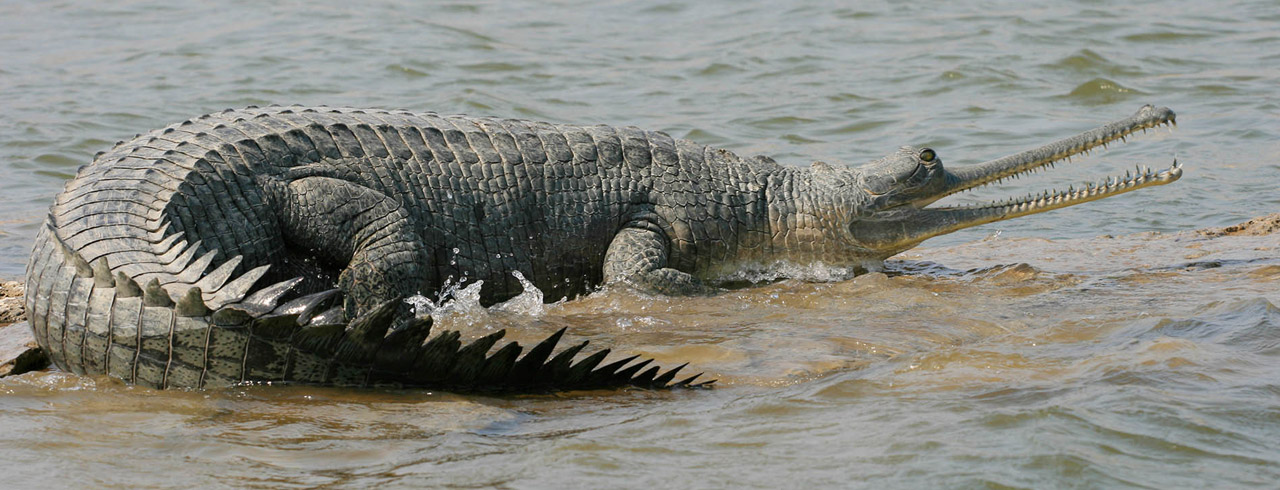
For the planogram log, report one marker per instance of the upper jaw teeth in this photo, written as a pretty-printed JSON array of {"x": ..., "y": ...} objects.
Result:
[{"x": 1086, "y": 149}]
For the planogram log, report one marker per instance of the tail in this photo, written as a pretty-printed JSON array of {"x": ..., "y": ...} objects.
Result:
[{"x": 91, "y": 321}]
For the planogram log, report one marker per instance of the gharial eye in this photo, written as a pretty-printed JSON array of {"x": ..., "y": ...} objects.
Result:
[{"x": 927, "y": 155}]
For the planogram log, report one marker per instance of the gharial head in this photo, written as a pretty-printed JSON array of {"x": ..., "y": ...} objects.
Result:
[{"x": 898, "y": 187}]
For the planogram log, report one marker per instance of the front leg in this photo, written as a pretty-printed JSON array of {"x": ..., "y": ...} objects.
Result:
[{"x": 637, "y": 256}]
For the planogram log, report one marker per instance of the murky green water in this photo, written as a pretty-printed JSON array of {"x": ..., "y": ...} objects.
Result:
[{"x": 1047, "y": 355}]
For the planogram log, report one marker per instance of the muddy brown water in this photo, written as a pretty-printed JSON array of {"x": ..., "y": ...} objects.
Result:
[
  {"x": 1111, "y": 361},
  {"x": 1104, "y": 345}
]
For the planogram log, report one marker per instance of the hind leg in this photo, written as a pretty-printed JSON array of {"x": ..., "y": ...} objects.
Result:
[{"x": 366, "y": 233}]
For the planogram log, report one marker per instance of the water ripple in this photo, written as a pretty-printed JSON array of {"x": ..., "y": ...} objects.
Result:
[{"x": 1084, "y": 356}]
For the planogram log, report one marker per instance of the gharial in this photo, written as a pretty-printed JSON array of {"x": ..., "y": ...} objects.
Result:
[{"x": 277, "y": 244}]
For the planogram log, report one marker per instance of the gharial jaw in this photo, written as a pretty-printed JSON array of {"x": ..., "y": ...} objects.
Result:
[{"x": 904, "y": 225}]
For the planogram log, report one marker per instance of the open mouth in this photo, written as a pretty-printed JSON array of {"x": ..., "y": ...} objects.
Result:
[
  {"x": 902, "y": 227},
  {"x": 1013, "y": 166}
]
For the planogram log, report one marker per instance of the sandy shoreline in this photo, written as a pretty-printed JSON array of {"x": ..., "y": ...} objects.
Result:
[{"x": 18, "y": 350}]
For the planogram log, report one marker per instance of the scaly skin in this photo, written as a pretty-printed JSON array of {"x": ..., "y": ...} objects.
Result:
[{"x": 343, "y": 212}]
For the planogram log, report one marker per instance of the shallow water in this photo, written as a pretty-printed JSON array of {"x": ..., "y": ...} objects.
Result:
[{"x": 1092, "y": 346}]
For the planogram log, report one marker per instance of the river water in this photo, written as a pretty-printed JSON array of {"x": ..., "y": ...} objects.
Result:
[{"x": 1103, "y": 345}]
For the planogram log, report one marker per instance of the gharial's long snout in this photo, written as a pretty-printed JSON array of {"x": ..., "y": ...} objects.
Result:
[{"x": 905, "y": 226}]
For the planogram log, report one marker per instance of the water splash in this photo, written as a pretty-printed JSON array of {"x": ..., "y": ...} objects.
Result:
[
  {"x": 452, "y": 299},
  {"x": 461, "y": 302},
  {"x": 528, "y": 302},
  {"x": 812, "y": 272}
]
